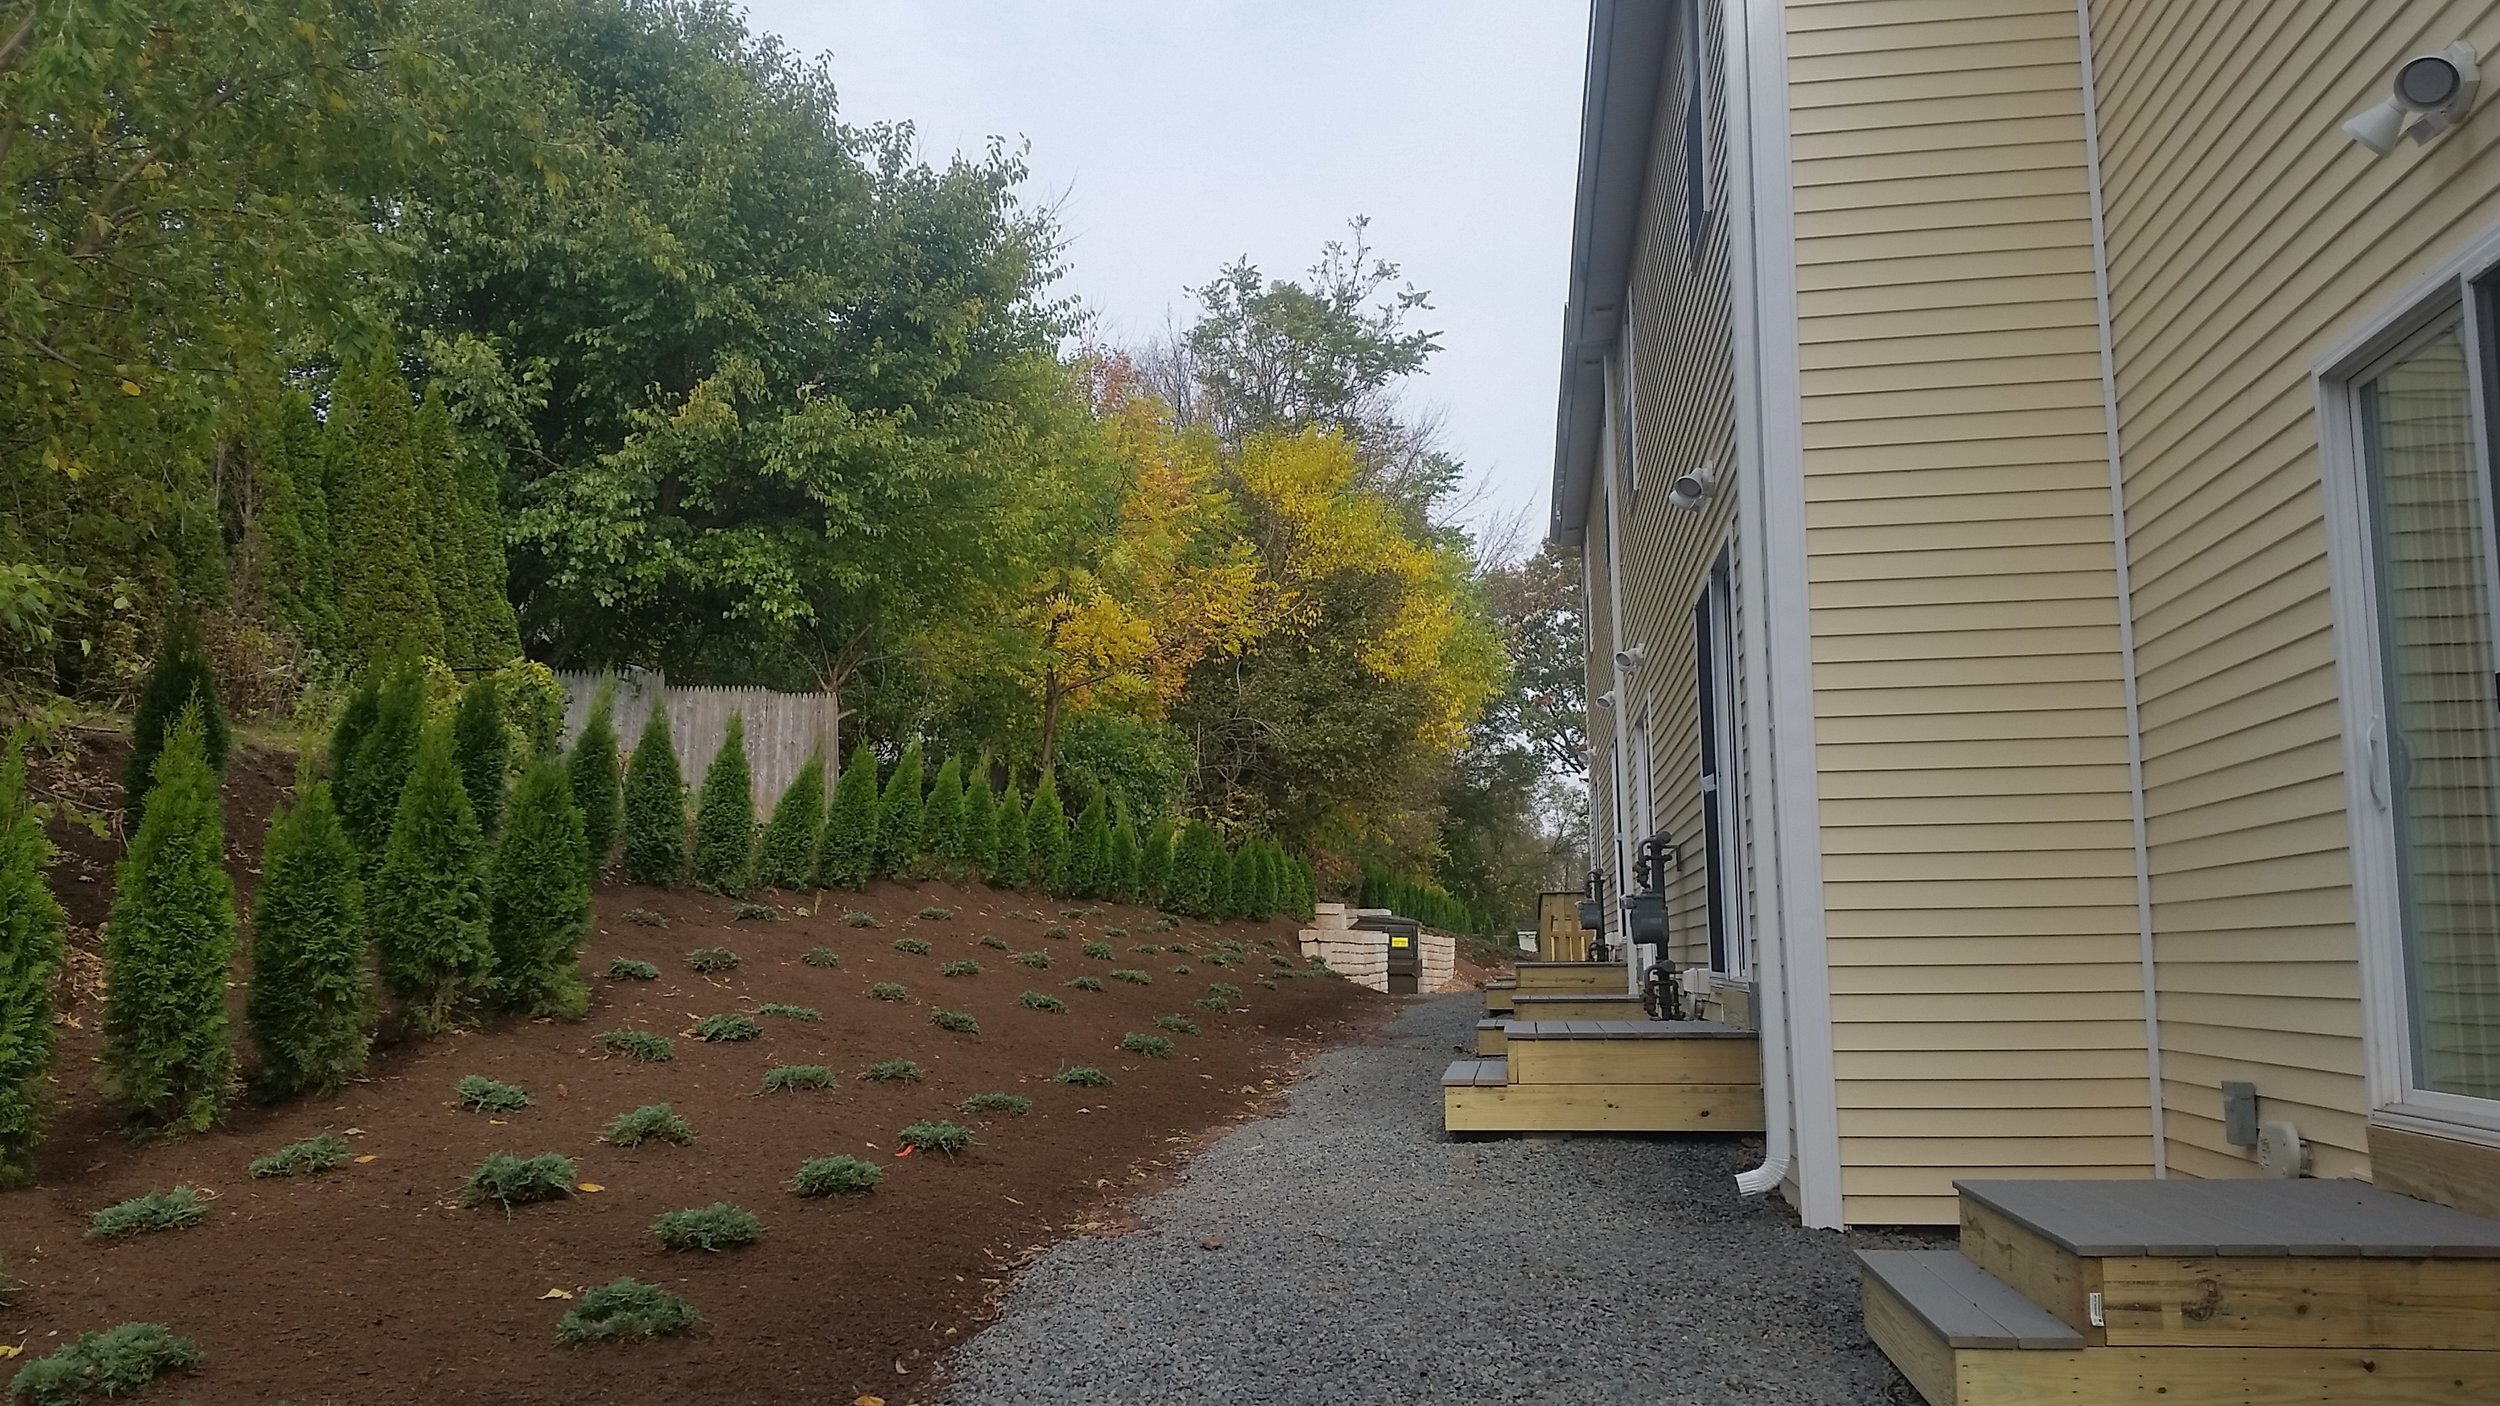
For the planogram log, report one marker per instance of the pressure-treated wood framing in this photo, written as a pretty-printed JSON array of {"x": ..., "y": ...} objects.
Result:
[
  {"x": 1577, "y": 1006},
  {"x": 1566, "y": 978},
  {"x": 1602, "y": 1108},
  {"x": 2049, "y": 1275},
  {"x": 1490, "y": 1039}
]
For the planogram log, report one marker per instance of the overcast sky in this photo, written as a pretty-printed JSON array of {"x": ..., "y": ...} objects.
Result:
[{"x": 1177, "y": 135}]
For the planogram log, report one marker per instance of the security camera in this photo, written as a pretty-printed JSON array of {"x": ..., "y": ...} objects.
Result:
[
  {"x": 1629, "y": 660},
  {"x": 1689, "y": 489},
  {"x": 2432, "y": 92},
  {"x": 1605, "y": 700}
]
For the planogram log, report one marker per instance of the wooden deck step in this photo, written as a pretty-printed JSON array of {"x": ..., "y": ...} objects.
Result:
[
  {"x": 1500, "y": 997},
  {"x": 1577, "y": 1005},
  {"x": 1473, "y": 1074},
  {"x": 1491, "y": 1041},
  {"x": 1572, "y": 978},
  {"x": 2187, "y": 1218},
  {"x": 1609, "y": 1076},
  {"x": 1633, "y": 1052}
]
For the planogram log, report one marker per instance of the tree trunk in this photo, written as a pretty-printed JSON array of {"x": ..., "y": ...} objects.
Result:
[{"x": 1052, "y": 694}]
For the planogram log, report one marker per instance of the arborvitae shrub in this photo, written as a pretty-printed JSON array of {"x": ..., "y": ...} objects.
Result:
[
  {"x": 428, "y": 902},
  {"x": 1190, "y": 887},
  {"x": 724, "y": 820},
  {"x": 169, "y": 947},
  {"x": 311, "y": 1000},
  {"x": 848, "y": 854},
  {"x": 1120, "y": 860},
  {"x": 1154, "y": 865},
  {"x": 1221, "y": 886},
  {"x": 787, "y": 857},
  {"x": 380, "y": 517},
  {"x": 899, "y": 812},
  {"x": 539, "y": 899},
  {"x": 1089, "y": 851},
  {"x": 1011, "y": 850},
  {"x": 357, "y": 718},
  {"x": 592, "y": 768},
  {"x": 484, "y": 752},
  {"x": 655, "y": 806},
  {"x": 942, "y": 821},
  {"x": 368, "y": 795},
  {"x": 978, "y": 826},
  {"x": 1046, "y": 836},
  {"x": 31, "y": 950},
  {"x": 179, "y": 678},
  {"x": 287, "y": 541}
]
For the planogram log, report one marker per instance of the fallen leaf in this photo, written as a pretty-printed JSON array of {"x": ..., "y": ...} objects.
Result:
[
  {"x": 1211, "y": 1243},
  {"x": 10, "y": 1349},
  {"x": 1013, "y": 1201},
  {"x": 370, "y": 1157},
  {"x": 906, "y": 1152},
  {"x": 589, "y": 1186},
  {"x": 557, "y": 1294},
  {"x": 351, "y": 1132},
  {"x": 494, "y": 1122},
  {"x": 868, "y": 1401}
]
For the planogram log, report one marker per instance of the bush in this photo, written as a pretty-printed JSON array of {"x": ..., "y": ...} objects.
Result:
[
  {"x": 949, "y": 1138},
  {"x": 899, "y": 813},
  {"x": 976, "y": 830},
  {"x": 893, "y": 1071},
  {"x": 836, "y": 1176},
  {"x": 727, "y": 1028},
  {"x": 1218, "y": 1004},
  {"x": 1040, "y": 1001},
  {"x": 1039, "y": 961},
  {"x": 1099, "y": 951},
  {"x": 511, "y": 1181},
  {"x": 1011, "y": 846},
  {"x": 1218, "y": 988},
  {"x": 31, "y": 952},
  {"x": 918, "y": 947},
  {"x": 591, "y": 767},
  {"x": 711, "y": 959},
  {"x": 158, "y": 1210},
  {"x": 797, "y": 1076},
  {"x": 305, "y": 1158},
  {"x": 655, "y": 805},
  {"x": 119, "y": 1361},
  {"x": 385, "y": 748},
  {"x": 1177, "y": 1024},
  {"x": 645, "y": 918},
  {"x": 653, "y": 1122},
  {"x": 942, "y": 822},
  {"x": 169, "y": 947},
  {"x": 719, "y": 1226},
  {"x": 1220, "y": 886},
  {"x": 538, "y": 911},
  {"x": 482, "y": 751},
  {"x": 1084, "y": 1076},
  {"x": 310, "y": 1003},
  {"x": 1191, "y": 887},
  {"x": 994, "y": 942},
  {"x": 1132, "y": 976},
  {"x": 888, "y": 991},
  {"x": 860, "y": 920},
  {"x": 624, "y": 1308},
  {"x": 1181, "y": 969},
  {"x": 1046, "y": 836},
  {"x": 428, "y": 903},
  {"x": 1121, "y": 863},
  {"x": 961, "y": 1022},
  {"x": 480, "y": 1094},
  {"x": 959, "y": 967},
  {"x": 786, "y": 858},
  {"x": 1152, "y": 1046},
  {"x": 1084, "y": 983},
  {"x": 755, "y": 913},
  {"x": 627, "y": 969},
  {"x": 805, "y": 1013},
  {"x": 179, "y": 679},
  {"x": 641, "y": 1044},
  {"x": 1089, "y": 851},
  {"x": 1154, "y": 865},
  {"x": 1013, "y": 1105},
  {"x": 847, "y": 855},
  {"x": 936, "y": 914},
  {"x": 724, "y": 818},
  {"x": 822, "y": 957}
]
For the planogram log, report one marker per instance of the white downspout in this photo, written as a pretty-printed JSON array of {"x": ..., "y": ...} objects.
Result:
[
  {"x": 1770, "y": 966},
  {"x": 1620, "y": 819}
]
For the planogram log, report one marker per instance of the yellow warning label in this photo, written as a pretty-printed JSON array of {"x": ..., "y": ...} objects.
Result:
[{"x": 1397, "y": 942}]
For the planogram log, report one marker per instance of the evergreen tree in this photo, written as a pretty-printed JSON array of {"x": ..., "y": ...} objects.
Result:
[
  {"x": 1046, "y": 836},
  {"x": 494, "y": 634},
  {"x": 1120, "y": 858},
  {"x": 1154, "y": 866},
  {"x": 179, "y": 678},
  {"x": 1222, "y": 888},
  {"x": 379, "y": 517},
  {"x": 977, "y": 833},
  {"x": 593, "y": 772},
  {"x": 787, "y": 857},
  {"x": 427, "y": 904},
  {"x": 848, "y": 854},
  {"x": 899, "y": 813},
  {"x": 483, "y": 750},
  {"x": 942, "y": 820},
  {"x": 430, "y": 450},
  {"x": 287, "y": 541},
  {"x": 31, "y": 951},
  {"x": 368, "y": 795},
  {"x": 724, "y": 817},
  {"x": 655, "y": 805},
  {"x": 1089, "y": 850},
  {"x": 310, "y": 1005},
  {"x": 1011, "y": 848},
  {"x": 538, "y": 907},
  {"x": 1190, "y": 887},
  {"x": 169, "y": 946},
  {"x": 1267, "y": 895},
  {"x": 363, "y": 710}
]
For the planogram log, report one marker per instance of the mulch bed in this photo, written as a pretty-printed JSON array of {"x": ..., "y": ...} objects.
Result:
[{"x": 370, "y": 1284}]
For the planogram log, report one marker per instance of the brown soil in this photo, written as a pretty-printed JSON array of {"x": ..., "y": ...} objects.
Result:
[{"x": 370, "y": 1284}]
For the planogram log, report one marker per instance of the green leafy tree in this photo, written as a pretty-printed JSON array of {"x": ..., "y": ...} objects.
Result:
[
  {"x": 1089, "y": 850},
  {"x": 310, "y": 1006},
  {"x": 899, "y": 814},
  {"x": 724, "y": 819},
  {"x": 427, "y": 903},
  {"x": 848, "y": 854},
  {"x": 787, "y": 856},
  {"x": 484, "y": 751},
  {"x": 380, "y": 514},
  {"x": 942, "y": 820},
  {"x": 975, "y": 835},
  {"x": 538, "y": 908},
  {"x": 368, "y": 793},
  {"x": 1011, "y": 847},
  {"x": 169, "y": 946},
  {"x": 179, "y": 679},
  {"x": 655, "y": 805},
  {"x": 596, "y": 785},
  {"x": 1120, "y": 863},
  {"x": 1190, "y": 886},
  {"x": 1046, "y": 836},
  {"x": 31, "y": 951}
]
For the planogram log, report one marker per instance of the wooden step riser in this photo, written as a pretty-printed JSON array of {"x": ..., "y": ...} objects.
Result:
[
  {"x": 1604, "y": 1108},
  {"x": 1497, "y": 1003},
  {"x": 1580, "y": 1008},
  {"x": 1492, "y": 1044},
  {"x": 1713, "y": 1061},
  {"x": 2255, "y": 1302},
  {"x": 1604, "y": 979}
]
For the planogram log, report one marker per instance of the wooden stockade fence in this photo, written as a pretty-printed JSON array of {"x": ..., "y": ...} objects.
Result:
[{"x": 783, "y": 729}]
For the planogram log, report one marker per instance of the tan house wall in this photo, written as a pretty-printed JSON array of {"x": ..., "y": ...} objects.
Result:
[
  {"x": 2245, "y": 233},
  {"x": 1971, "y": 740}
]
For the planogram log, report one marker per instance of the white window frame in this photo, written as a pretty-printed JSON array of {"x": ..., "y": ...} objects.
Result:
[{"x": 2441, "y": 298}]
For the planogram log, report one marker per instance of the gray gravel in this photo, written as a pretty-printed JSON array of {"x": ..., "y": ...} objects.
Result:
[{"x": 1367, "y": 1258}]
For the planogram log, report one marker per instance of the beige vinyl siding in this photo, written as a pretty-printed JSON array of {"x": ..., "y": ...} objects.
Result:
[
  {"x": 2245, "y": 233},
  {"x": 1979, "y": 863}
]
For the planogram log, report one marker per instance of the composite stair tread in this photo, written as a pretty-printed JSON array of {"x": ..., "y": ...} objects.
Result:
[
  {"x": 1475, "y": 1073},
  {"x": 1963, "y": 1304},
  {"x": 2185, "y": 1218},
  {"x": 1626, "y": 1030}
]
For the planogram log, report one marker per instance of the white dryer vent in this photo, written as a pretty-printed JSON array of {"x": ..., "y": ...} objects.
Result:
[{"x": 2280, "y": 1152}]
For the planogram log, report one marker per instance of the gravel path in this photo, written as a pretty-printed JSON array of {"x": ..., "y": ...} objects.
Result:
[{"x": 1366, "y": 1258}]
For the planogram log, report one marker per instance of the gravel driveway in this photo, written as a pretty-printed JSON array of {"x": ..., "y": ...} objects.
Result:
[{"x": 1366, "y": 1258}]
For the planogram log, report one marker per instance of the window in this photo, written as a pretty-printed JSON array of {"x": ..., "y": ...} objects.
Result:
[{"x": 1722, "y": 829}]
